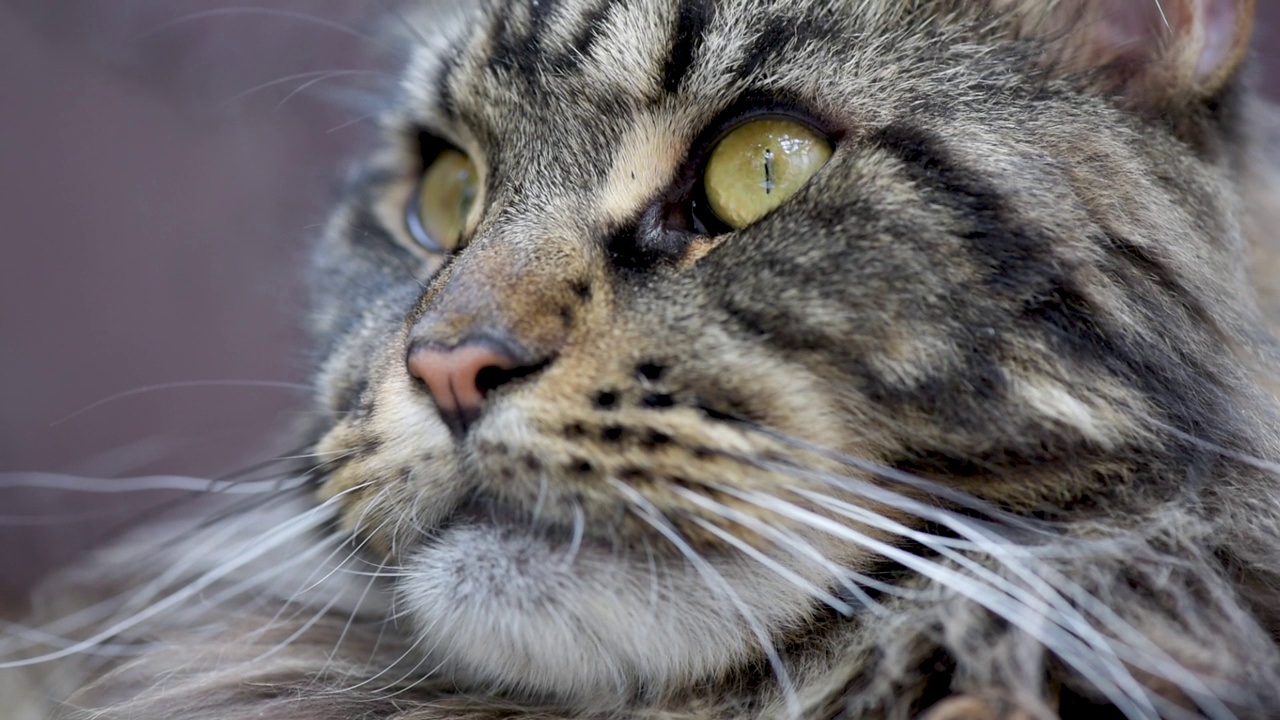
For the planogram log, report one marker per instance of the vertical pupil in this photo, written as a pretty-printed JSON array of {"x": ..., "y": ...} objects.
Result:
[{"x": 768, "y": 171}]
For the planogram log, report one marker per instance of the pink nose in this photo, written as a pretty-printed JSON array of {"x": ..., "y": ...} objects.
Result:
[{"x": 458, "y": 378}]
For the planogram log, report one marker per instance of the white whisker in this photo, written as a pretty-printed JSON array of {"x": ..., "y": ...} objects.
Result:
[
  {"x": 184, "y": 385},
  {"x": 107, "y": 486},
  {"x": 646, "y": 511},
  {"x": 1116, "y": 682},
  {"x": 270, "y": 12},
  {"x": 259, "y": 547}
]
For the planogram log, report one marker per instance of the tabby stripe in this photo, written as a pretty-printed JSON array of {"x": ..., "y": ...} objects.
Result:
[
  {"x": 541, "y": 10},
  {"x": 1017, "y": 253},
  {"x": 525, "y": 50},
  {"x": 1053, "y": 303},
  {"x": 694, "y": 17},
  {"x": 807, "y": 32},
  {"x": 592, "y": 30},
  {"x": 1140, "y": 259},
  {"x": 1135, "y": 256},
  {"x": 514, "y": 45}
]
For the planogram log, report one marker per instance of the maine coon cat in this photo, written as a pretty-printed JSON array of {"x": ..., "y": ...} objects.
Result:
[{"x": 758, "y": 359}]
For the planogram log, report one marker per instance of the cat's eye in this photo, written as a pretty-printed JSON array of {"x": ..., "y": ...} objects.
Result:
[
  {"x": 758, "y": 166},
  {"x": 439, "y": 209}
]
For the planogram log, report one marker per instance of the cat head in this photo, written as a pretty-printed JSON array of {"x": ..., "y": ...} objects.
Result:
[{"x": 658, "y": 329}]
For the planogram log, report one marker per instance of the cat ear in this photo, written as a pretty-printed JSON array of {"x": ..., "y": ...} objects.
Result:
[{"x": 1152, "y": 51}]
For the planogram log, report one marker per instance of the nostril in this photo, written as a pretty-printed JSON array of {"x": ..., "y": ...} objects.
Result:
[
  {"x": 458, "y": 378},
  {"x": 490, "y": 378},
  {"x": 494, "y": 377}
]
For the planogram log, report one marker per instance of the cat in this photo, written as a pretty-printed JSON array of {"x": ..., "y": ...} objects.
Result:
[{"x": 758, "y": 359}]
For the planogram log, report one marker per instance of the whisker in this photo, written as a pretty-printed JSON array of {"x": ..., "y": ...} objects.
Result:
[
  {"x": 184, "y": 385},
  {"x": 1139, "y": 650},
  {"x": 51, "y": 481},
  {"x": 138, "y": 596},
  {"x": 1112, "y": 679},
  {"x": 777, "y": 568},
  {"x": 346, "y": 627},
  {"x": 270, "y": 12},
  {"x": 1136, "y": 649},
  {"x": 1038, "y": 590},
  {"x": 853, "y": 582},
  {"x": 323, "y": 77},
  {"x": 313, "y": 74},
  {"x": 356, "y": 548},
  {"x": 256, "y": 583},
  {"x": 354, "y": 121},
  {"x": 646, "y": 511},
  {"x": 302, "y": 629},
  {"x": 579, "y": 529},
  {"x": 291, "y": 529},
  {"x": 932, "y": 489},
  {"x": 1269, "y": 466},
  {"x": 1164, "y": 17},
  {"x": 421, "y": 636}
]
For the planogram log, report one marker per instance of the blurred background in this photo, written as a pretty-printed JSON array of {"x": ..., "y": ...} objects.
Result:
[{"x": 163, "y": 164}]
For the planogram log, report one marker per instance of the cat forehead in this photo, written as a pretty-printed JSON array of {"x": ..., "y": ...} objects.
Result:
[{"x": 477, "y": 60}]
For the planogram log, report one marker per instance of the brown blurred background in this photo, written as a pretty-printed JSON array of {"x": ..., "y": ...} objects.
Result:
[{"x": 156, "y": 205}]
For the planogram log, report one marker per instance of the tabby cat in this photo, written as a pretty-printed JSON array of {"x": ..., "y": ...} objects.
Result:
[{"x": 775, "y": 359}]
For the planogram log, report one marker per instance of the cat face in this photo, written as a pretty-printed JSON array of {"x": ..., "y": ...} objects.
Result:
[{"x": 614, "y": 440}]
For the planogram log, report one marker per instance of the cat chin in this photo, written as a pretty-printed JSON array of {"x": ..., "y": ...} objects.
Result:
[{"x": 592, "y": 626}]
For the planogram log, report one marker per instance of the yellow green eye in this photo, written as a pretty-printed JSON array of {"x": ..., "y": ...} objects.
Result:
[
  {"x": 757, "y": 166},
  {"x": 445, "y": 196}
]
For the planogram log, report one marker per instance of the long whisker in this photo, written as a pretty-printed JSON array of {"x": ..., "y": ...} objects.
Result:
[
  {"x": 649, "y": 513},
  {"x": 777, "y": 568},
  {"x": 853, "y": 582},
  {"x": 313, "y": 74},
  {"x": 1136, "y": 648},
  {"x": 322, "y": 78},
  {"x": 1112, "y": 679},
  {"x": 1005, "y": 551},
  {"x": 270, "y": 12},
  {"x": 305, "y": 522},
  {"x": 183, "y": 385},
  {"x": 1039, "y": 590},
  {"x": 928, "y": 488},
  {"x": 133, "y": 598},
  {"x": 351, "y": 619},
  {"x": 51, "y": 481}
]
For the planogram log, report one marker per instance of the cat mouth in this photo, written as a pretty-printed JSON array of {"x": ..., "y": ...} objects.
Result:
[{"x": 482, "y": 510}]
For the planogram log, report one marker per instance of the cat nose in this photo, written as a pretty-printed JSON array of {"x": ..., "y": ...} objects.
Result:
[{"x": 459, "y": 377}]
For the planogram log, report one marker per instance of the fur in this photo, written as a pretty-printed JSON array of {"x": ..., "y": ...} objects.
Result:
[{"x": 977, "y": 424}]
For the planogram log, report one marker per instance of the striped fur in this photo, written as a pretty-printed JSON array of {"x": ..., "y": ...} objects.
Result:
[{"x": 976, "y": 425}]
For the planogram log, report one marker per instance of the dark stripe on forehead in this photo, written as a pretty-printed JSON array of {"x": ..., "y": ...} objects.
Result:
[
  {"x": 692, "y": 21},
  {"x": 592, "y": 29},
  {"x": 797, "y": 32},
  {"x": 524, "y": 49}
]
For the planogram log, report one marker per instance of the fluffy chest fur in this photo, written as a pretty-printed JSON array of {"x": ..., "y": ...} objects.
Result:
[{"x": 972, "y": 424}]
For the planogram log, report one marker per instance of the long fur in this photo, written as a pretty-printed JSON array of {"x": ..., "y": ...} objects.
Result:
[{"x": 979, "y": 423}]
